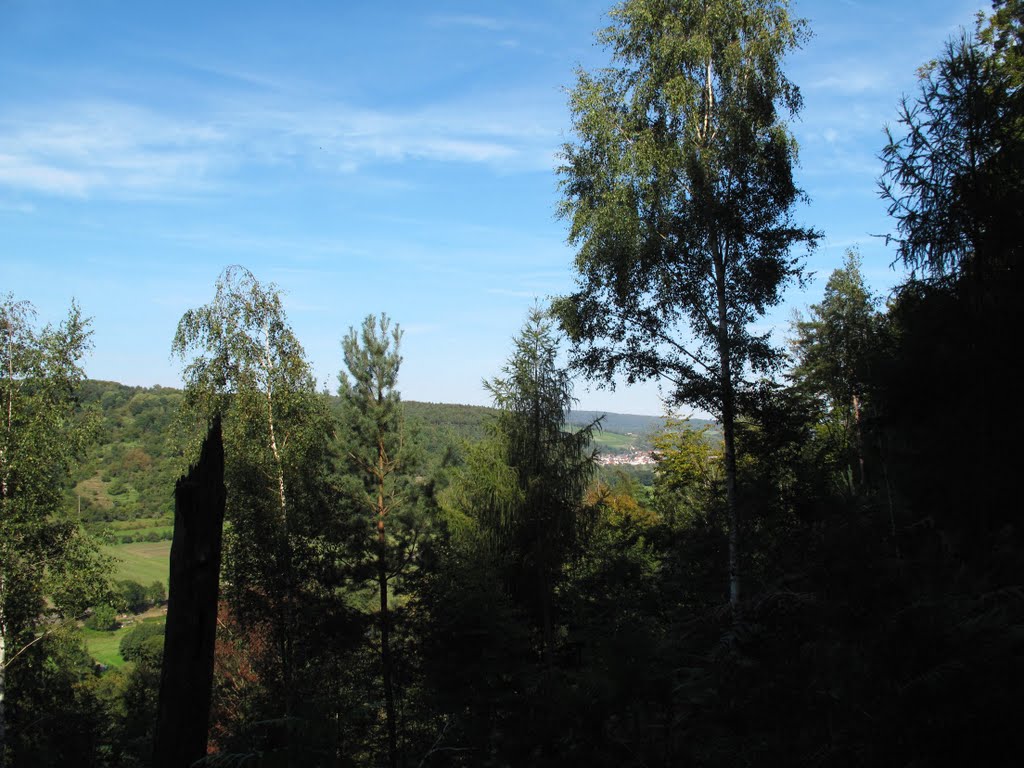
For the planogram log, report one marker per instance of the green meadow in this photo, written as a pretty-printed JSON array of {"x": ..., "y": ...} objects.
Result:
[
  {"x": 105, "y": 647},
  {"x": 144, "y": 562}
]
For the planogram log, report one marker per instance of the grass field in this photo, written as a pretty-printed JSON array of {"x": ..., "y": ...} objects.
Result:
[
  {"x": 163, "y": 532},
  {"x": 105, "y": 646},
  {"x": 141, "y": 524},
  {"x": 614, "y": 441},
  {"x": 144, "y": 562}
]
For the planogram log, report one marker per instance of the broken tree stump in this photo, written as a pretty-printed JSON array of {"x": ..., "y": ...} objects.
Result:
[{"x": 186, "y": 677}]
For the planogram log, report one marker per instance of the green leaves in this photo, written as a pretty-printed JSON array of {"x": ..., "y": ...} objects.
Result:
[
  {"x": 240, "y": 343},
  {"x": 373, "y": 421},
  {"x": 679, "y": 191},
  {"x": 951, "y": 171},
  {"x": 41, "y": 554},
  {"x": 245, "y": 363}
]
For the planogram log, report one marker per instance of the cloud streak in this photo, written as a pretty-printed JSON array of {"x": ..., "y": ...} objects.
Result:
[
  {"x": 121, "y": 150},
  {"x": 105, "y": 148}
]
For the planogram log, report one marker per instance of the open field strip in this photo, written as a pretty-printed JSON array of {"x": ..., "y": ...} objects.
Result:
[{"x": 144, "y": 562}]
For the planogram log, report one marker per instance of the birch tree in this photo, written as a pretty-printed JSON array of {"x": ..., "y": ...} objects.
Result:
[
  {"x": 679, "y": 190},
  {"x": 244, "y": 363},
  {"x": 245, "y": 356},
  {"x": 44, "y": 555}
]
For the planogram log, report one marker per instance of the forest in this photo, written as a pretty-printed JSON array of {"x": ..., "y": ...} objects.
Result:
[{"x": 830, "y": 574}]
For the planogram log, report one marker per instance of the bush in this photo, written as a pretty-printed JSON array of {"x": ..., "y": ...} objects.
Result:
[
  {"x": 103, "y": 618},
  {"x": 156, "y": 593},
  {"x": 133, "y": 595},
  {"x": 144, "y": 644}
]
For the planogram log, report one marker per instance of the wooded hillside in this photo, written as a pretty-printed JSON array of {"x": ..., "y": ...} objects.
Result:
[{"x": 121, "y": 485}]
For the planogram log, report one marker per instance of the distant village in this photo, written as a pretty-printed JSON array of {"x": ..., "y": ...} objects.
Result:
[{"x": 628, "y": 457}]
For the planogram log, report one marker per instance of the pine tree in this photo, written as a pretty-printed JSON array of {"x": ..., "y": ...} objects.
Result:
[{"x": 374, "y": 439}]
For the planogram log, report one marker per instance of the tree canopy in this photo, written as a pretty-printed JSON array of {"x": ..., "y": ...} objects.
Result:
[
  {"x": 45, "y": 558},
  {"x": 680, "y": 193}
]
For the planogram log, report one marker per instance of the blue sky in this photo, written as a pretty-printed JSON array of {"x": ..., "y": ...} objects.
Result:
[{"x": 366, "y": 157}]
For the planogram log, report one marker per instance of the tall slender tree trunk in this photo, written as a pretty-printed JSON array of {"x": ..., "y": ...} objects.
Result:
[
  {"x": 858, "y": 438},
  {"x": 546, "y": 625},
  {"x": 4, "y": 469},
  {"x": 4, "y": 473},
  {"x": 269, "y": 364},
  {"x": 385, "y": 630},
  {"x": 728, "y": 427},
  {"x": 3, "y": 673},
  {"x": 186, "y": 676},
  {"x": 732, "y": 503}
]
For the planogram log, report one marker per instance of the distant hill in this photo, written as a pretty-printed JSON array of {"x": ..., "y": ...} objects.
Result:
[
  {"x": 621, "y": 423},
  {"x": 125, "y": 481},
  {"x": 638, "y": 428}
]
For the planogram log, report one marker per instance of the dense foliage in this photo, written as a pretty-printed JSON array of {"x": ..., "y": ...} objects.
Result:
[
  {"x": 120, "y": 485},
  {"x": 49, "y": 570}
]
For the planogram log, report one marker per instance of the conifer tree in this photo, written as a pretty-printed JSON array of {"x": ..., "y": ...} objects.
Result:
[
  {"x": 835, "y": 347},
  {"x": 534, "y": 530},
  {"x": 373, "y": 438}
]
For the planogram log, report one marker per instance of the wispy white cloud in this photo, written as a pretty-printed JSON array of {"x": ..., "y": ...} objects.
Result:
[
  {"x": 239, "y": 243},
  {"x": 105, "y": 147},
  {"x": 122, "y": 150},
  {"x": 351, "y": 137},
  {"x": 24, "y": 173}
]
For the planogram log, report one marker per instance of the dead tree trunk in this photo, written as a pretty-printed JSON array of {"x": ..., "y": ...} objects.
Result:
[{"x": 186, "y": 679}]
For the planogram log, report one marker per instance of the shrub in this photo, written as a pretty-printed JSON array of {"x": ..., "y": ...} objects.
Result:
[
  {"x": 103, "y": 618},
  {"x": 156, "y": 593},
  {"x": 133, "y": 595},
  {"x": 144, "y": 643}
]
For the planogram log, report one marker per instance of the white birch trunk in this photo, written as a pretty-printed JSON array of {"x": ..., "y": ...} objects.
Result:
[
  {"x": 269, "y": 365},
  {"x": 3, "y": 675}
]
